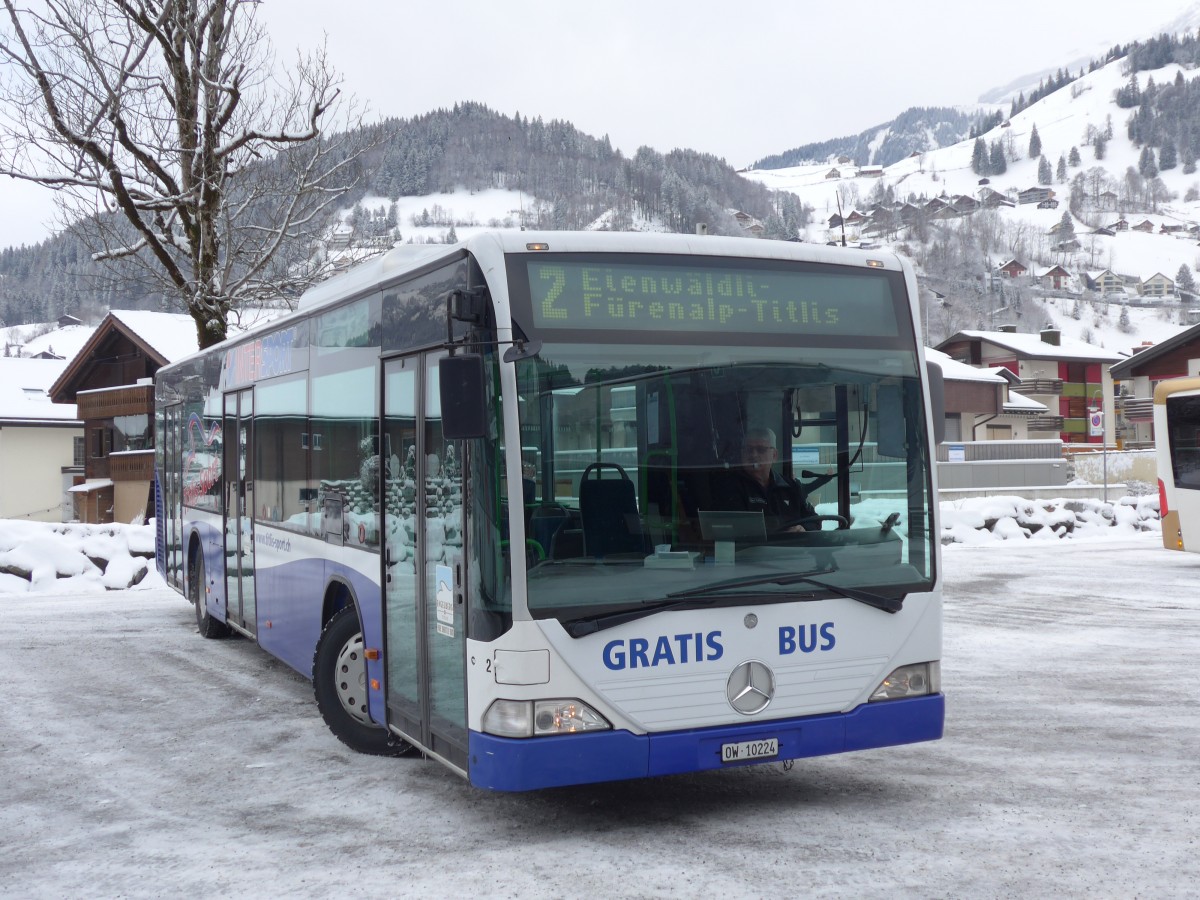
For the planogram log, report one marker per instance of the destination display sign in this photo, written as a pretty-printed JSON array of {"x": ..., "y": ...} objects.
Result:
[{"x": 629, "y": 296}]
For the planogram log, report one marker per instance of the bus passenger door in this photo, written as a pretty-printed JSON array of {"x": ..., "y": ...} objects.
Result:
[
  {"x": 239, "y": 508},
  {"x": 422, "y": 562},
  {"x": 171, "y": 526}
]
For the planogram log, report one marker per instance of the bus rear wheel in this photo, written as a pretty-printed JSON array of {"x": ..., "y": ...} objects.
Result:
[
  {"x": 340, "y": 686},
  {"x": 205, "y": 623}
]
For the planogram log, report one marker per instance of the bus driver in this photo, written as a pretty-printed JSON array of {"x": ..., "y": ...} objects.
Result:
[{"x": 755, "y": 485}]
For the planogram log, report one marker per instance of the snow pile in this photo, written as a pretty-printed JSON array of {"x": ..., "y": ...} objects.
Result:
[
  {"x": 43, "y": 557},
  {"x": 74, "y": 558},
  {"x": 982, "y": 520}
]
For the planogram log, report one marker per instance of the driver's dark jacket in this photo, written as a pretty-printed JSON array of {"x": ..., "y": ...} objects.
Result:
[{"x": 781, "y": 500}]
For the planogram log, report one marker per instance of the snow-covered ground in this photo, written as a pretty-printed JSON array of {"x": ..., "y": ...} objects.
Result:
[{"x": 140, "y": 760}]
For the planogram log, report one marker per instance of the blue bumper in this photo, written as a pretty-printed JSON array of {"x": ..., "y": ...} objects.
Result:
[{"x": 509, "y": 764}]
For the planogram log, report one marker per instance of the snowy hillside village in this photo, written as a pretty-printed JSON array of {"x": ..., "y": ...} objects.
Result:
[{"x": 1055, "y": 203}]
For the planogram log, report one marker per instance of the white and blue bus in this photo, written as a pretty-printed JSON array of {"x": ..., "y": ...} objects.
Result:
[{"x": 471, "y": 492}]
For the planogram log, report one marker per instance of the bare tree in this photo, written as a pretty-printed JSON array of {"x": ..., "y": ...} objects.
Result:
[{"x": 176, "y": 143}]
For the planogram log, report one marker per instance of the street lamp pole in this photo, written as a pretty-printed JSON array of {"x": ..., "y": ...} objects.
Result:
[{"x": 1103, "y": 437}]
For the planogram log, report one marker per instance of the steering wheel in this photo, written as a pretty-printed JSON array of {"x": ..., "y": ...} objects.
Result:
[{"x": 842, "y": 521}]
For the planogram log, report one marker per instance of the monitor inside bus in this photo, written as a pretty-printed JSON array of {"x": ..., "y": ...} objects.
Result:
[{"x": 724, "y": 525}]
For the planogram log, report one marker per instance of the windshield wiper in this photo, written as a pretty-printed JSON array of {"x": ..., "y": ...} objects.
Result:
[
  {"x": 887, "y": 604},
  {"x": 581, "y": 627},
  {"x": 710, "y": 594}
]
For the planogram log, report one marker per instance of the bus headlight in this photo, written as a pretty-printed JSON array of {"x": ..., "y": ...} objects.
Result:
[
  {"x": 535, "y": 718},
  {"x": 915, "y": 680}
]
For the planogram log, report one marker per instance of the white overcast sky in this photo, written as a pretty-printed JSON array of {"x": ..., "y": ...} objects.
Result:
[{"x": 739, "y": 81}]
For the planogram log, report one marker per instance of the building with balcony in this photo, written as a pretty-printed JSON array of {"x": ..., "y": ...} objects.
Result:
[
  {"x": 1137, "y": 376},
  {"x": 110, "y": 381},
  {"x": 1068, "y": 377}
]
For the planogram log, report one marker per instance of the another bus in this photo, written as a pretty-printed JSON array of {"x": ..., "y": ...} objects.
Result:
[
  {"x": 468, "y": 491},
  {"x": 1177, "y": 452}
]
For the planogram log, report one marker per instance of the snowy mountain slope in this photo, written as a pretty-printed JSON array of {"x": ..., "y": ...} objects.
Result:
[{"x": 1064, "y": 120}]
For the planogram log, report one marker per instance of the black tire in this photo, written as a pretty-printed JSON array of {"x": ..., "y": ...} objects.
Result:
[
  {"x": 340, "y": 686},
  {"x": 205, "y": 623}
]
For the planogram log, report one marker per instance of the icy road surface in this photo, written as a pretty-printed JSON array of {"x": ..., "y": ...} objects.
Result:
[{"x": 139, "y": 760}]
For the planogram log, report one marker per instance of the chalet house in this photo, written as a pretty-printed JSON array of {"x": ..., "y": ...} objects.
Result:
[
  {"x": 844, "y": 160},
  {"x": 870, "y": 171},
  {"x": 1035, "y": 195},
  {"x": 1104, "y": 232},
  {"x": 1136, "y": 377},
  {"x": 835, "y": 220},
  {"x": 1145, "y": 226},
  {"x": 1064, "y": 375},
  {"x": 964, "y": 204},
  {"x": 1068, "y": 246},
  {"x": 1120, "y": 225},
  {"x": 111, "y": 381},
  {"x": 1105, "y": 282},
  {"x": 41, "y": 443},
  {"x": 1158, "y": 285},
  {"x": 1107, "y": 200},
  {"x": 1012, "y": 269},
  {"x": 749, "y": 223},
  {"x": 935, "y": 205},
  {"x": 855, "y": 218},
  {"x": 1055, "y": 277},
  {"x": 339, "y": 238},
  {"x": 1174, "y": 228},
  {"x": 1048, "y": 204},
  {"x": 910, "y": 213},
  {"x": 833, "y": 173}
]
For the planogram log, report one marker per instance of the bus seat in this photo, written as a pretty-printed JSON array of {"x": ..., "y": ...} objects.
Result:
[
  {"x": 608, "y": 508},
  {"x": 545, "y": 521},
  {"x": 567, "y": 543}
]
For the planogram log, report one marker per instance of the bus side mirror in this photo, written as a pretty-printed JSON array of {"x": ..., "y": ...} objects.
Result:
[
  {"x": 937, "y": 400},
  {"x": 460, "y": 382}
]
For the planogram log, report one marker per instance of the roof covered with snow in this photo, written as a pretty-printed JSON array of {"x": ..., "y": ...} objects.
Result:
[
  {"x": 1128, "y": 367},
  {"x": 24, "y": 386},
  {"x": 953, "y": 370},
  {"x": 1031, "y": 346},
  {"x": 1017, "y": 402},
  {"x": 173, "y": 335}
]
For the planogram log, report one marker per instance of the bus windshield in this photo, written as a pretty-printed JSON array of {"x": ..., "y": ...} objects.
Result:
[{"x": 707, "y": 466}]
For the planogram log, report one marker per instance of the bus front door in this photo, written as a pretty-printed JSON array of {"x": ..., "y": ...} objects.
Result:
[
  {"x": 239, "y": 506},
  {"x": 171, "y": 526},
  {"x": 422, "y": 562}
]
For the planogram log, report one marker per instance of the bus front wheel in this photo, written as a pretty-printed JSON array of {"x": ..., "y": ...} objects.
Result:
[
  {"x": 340, "y": 686},
  {"x": 205, "y": 623}
]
